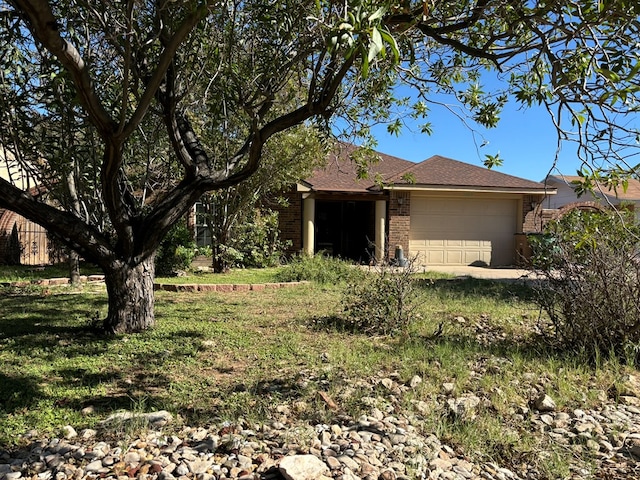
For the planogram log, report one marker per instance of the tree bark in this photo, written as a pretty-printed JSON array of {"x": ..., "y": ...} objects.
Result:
[
  {"x": 219, "y": 236},
  {"x": 131, "y": 297},
  {"x": 74, "y": 267},
  {"x": 218, "y": 263},
  {"x": 74, "y": 205}
]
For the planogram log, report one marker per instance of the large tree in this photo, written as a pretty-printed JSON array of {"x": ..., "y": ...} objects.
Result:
[{"x": 134, "y": 86}]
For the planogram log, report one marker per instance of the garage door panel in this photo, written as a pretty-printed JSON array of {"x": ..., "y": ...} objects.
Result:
[
  {"x": 462, "y": 231},
  {"x": 476, "y": 256},
  {"x": 477, "y": 244},
  {"x": 454, "y": 257},
  {"x": 434, "y": 257}
]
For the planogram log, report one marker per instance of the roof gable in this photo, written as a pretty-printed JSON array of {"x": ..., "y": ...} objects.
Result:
[{"x": 446, "y": 172}]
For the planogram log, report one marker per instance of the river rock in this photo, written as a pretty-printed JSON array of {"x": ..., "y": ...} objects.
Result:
[
  {"x": 303, "y": 467},
  {"x": 463, "y": 407},
  {"x": 544, "y": 403}
]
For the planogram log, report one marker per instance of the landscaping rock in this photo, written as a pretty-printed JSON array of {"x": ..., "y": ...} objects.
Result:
[
  {"x": 630, "y": 386},
  {"x": 463, "y": 407},
  {"x": 303, "y": 467},
  {"x": 415, "y": 381},
  {"x": 544, "y": 403},
  {"x": 390, "y": 441}
]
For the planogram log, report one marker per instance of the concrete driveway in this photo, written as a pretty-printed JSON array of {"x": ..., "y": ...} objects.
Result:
[{"x": 483, "y": 272}]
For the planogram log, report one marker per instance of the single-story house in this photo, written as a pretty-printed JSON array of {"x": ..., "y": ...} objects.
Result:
[
  {"x": 602, "y": 195},
  {"x": 441, "y": 211}
]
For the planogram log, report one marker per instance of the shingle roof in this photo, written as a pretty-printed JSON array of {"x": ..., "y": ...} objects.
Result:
[
  {"x": 632, "y": 193},
  {"x": 339, "y": 174},
  {"x": 445, "y": 172},
  {"x": 436, "y": 171}
]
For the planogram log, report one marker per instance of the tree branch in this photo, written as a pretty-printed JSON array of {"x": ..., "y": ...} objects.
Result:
[
  {"x": 44, "y": 27},
  {"x": 66, "y": 227},
  {"x": 171, "y": 46}
]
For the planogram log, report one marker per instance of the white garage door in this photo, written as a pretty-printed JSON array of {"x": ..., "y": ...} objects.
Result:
[{"x": 463, "y": 231}]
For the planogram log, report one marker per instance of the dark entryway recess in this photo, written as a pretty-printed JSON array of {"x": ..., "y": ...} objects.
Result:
[{"x": 345, "y": 229}]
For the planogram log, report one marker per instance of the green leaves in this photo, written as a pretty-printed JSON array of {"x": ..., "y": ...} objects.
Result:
[
  {"x": 491, "y": 161},
  {"x": 375, "y": 45},
  {"x": 363, "y": 34},
  {"x": 395, "y": 127}
]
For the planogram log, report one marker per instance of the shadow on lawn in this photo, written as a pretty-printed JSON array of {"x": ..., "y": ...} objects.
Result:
[
  {"x": 26, "y": 315},
  {"x": 18, "y": 392},
  {"x": 50, "y": 329}
]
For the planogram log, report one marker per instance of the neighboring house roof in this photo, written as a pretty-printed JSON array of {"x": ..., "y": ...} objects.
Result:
[
  {"x": 436, "y": 173},
  {"x": 632, "y": 193}
]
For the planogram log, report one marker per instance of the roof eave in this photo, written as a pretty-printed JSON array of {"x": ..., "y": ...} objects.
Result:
[{"x": 463, "y": 188}]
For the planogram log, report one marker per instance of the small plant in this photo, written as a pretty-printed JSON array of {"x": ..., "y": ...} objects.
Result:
[
  {"x": 318, "y": 268},
  {"x": 383, "y": 302},
  {"x": 591, "y": 291}
]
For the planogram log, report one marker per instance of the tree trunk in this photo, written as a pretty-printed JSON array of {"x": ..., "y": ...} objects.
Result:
[
  {"x": 218, "y": 261},
  {"x": 74, "y": 204},
  {"x": 131, "y": 297},
  {"x": 74, "y": 267}
]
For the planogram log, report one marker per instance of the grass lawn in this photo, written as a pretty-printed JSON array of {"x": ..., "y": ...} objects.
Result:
[
  {"x": 16, "y": 273},
  {"x": 217, "y": 356},
  {"x": 235, "y": 276},
  {"x": 19, "y": 273}
]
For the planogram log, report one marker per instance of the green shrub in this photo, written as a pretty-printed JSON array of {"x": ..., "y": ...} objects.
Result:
[
  {"x": 254, "y": 243},
  {"x": 204, "y": 250},
  {"x": 591, "y": 287},
  {"x": 177, "y": 250},
  {"x": 257, "y": 241},
  {"x": 318, "y": 268},
  {"x": 383, "y": 302}
]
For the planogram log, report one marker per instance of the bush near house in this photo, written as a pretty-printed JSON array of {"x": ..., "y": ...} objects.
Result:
[
  {"x": 255, "y": 243},
  {"x": 318, "y": 268},
  {"x": 591, "y": 263}
]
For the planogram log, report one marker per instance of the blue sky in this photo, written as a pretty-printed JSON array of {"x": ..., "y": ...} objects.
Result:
[{"x": 525, "y": 139}]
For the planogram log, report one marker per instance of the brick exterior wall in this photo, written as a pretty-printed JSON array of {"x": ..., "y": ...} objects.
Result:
[
  {"x": 290, "y": 222},
  {"x": 531, "y": 211},
  {"x": 536, "y": 217},
  {"x": 399, "y": 221}
]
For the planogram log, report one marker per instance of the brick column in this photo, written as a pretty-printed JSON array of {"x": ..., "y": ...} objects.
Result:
[
  {"x": 290, "y": 222},
  {"x": 399, "y": 220}
]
